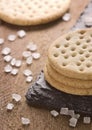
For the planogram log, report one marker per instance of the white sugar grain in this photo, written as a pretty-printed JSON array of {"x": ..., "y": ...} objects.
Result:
[
  {"x": 54, "y": 113},
  {"x": 16, "y": 97},
  {"x": 9, "y": 106},
  {"x": 6, "y": 51},
  {"x": 86, "y": 120},
  {"x": 29, "y": 60},
  {"x": 27, "y": 72},
  {"x": 14, "y": 71},
  {"x": 32, "y": 47},
  {"x": 7, "y": 58},
  {"x": 8, "y": 68},
  {"x": 66, "y": 17},
  {"x": 18, "y": 63},
  {"x": 36, "y": 55},
  {"x": 64, "y": 111},
  {"x": 73, "y": 122},
  {"x": 25, "y": 121},
  {"x": 21, "y": 33},
  {"x": 29, "y": 79},
  {"x": 13, "y": 62},
  {"x": 26, "y": 54},
  {"x": 12, "y": 37}
]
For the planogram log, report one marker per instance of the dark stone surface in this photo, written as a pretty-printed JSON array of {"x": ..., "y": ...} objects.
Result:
[{"x": 41, "y": 94}]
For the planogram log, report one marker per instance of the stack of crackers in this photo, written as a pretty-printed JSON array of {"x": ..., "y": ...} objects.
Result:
[{"x": 69, "y": 63}]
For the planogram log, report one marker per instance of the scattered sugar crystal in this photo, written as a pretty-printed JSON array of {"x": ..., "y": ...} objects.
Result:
[
  {"x": 25, "y": 121},
  {"x": 54, "y": 113},
  {"x": 73, "y": 122},
  {"x": 26, "y": 54},
  {"x": 21, "y": 33},
  {"x": 14, "y": 71},
  {"x": 7, "y": 58},
  {"x": 32, "y": 47},
  {"x": 18, "y": 63},
  {"x": 86, "y": 120},
  {"x": 9, "y": 106},
  {"x": 16, "y": 97},
  {"x": 36, "y": 55},
  {"x": 27, "y": 72},
  {"x": 6, "y": 51},
  {"x": 29, "y": 79},
  {"x": 71, "y": 113},
  {"x": 29, "y": 60},
  {"x": 77, "y": 116},
  {"x": 66, "y": 17},
  {"x": 13, "y": 62},
  {"x": 8, "y": 68},
  {"x": 64, "y": 111},
  {"x": 12, "y": 37},
  {"x": 1, "y": 41}
]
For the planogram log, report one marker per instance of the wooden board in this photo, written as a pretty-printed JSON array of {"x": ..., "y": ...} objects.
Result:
[{"x": 43, "y": 36}]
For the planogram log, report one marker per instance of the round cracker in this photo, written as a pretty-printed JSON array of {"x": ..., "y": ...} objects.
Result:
[
  {"x": 75, "y": 91},
  {"x": 32, "y": 12},
  {"x": 71, "y": 54},
  {"x": 72, "y": 82}
]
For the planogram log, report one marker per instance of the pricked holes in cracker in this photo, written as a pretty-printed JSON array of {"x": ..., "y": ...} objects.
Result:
[
  {"x": 68, "y": 38},
  {"x": 74, "y": 54},
  {"x": 57, "y": 45},
  {"x": 78, "y": 63},
  {"x": 64, "y": 64},
  {"x": 63, "y": 51},
  {"x": 73, "y": 48},
  {"x": 66, "y": 45},
  {"x": 90, "y": 50},
  {"x": 81, "y": 52},
  {"x": 82, "y": 59},
  {"x": 56, "y": 55},
  {"x": 81, "y": 37},
  {"x": 82, "y": 32},
  {"x": 88, "y": 65},
  {"x": 84, "y": 46},
  {"x": 78, "y": 43},
  {"x": 88, "y": 40},
  {"x": 81, "y": 69},
  {"x": 66, "y": 56},
  {"x": 87, "y": 55}
]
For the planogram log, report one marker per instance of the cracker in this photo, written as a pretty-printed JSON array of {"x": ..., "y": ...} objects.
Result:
[
  {"x": 75, "y": 91},
  {"x": 72, "y": 82},
  {"x": 32, "y": 12},
  {"x": 71, "y": 54}
]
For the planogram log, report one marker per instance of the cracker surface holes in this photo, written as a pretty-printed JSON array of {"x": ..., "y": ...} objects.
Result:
[
  {"x": 56, "y": 55},
  {"x": 63, "y": 51},
  {"x": 84, "y": 46},
  {"x": 82, "y": 32},
  {"x": 66, "y": 56},
  {"x": 68, "y": 38},
  {"x": 66, "y": 45},
  {"x": 74, "y": 54},
  {"x": 81, "y": 69},
  {"x": 78, "y": 64},
  {"x": 88, "y": 65},
  {"x": 81, "y": 52},
  {"x": 73, "y": 48},
  {"x": 57, "y": 46},
  {"x": 82, "y": 59},
  {"x": 87, "y": 55},
  {"x": 88, "y": 40},
  {"x": 78, "y": 43},
  {"x": 81, "y": 37},
  {"x": 64, "y": 64}
]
